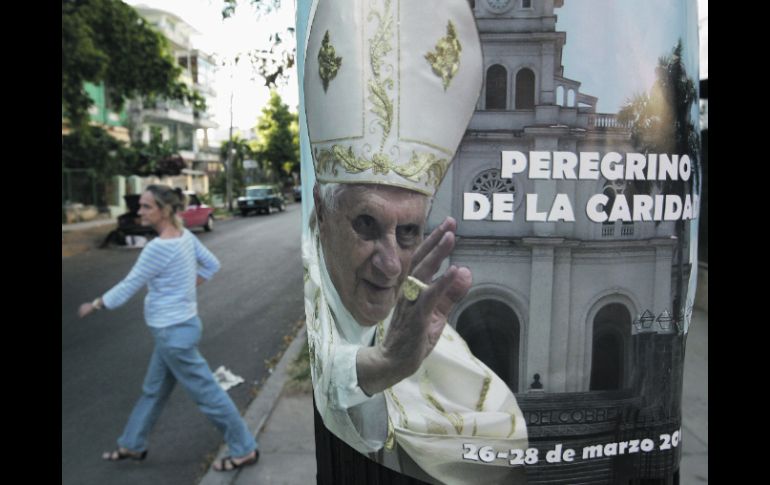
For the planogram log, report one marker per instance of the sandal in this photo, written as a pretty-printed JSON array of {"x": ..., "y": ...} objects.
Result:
[
  {"x": 122, "y": 454},
  {"x": 227, "y": 463}
]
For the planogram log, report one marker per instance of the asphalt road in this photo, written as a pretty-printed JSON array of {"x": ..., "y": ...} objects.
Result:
[{"x": 247, "y": 309}]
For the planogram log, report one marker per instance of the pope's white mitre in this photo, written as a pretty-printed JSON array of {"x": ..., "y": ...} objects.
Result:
[{"x": 390, "y": 86}]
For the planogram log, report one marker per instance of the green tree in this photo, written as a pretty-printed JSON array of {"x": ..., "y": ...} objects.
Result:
[
  {"x": 107, "y": 41},
  {"x": 240, "y": 151},
  {"x": 271, "y": 64},
  {"x": 277, "y": 145},
  {"x": 93, "y": 148},
  {"x": 661, "y": 122},
  {"x": 158, "y": 157}
]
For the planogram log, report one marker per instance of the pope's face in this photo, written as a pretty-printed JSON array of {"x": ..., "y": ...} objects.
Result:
[{"x": 368, "y": 244}]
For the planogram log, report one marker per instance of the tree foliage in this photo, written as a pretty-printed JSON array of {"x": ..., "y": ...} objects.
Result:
[
  {"x": 272, "y": 64},
  {"x": 277, "y": 145},
  {"x": 240, "y": 151},
  {"x": 93, "y": 148},
  {"x": 107, "y": 41},
  {"x": 158, "y": 157},
  {"x": 661, "y": 121}
]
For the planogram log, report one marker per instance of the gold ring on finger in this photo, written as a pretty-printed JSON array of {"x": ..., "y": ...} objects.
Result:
[{"x": 412, "y": 288}]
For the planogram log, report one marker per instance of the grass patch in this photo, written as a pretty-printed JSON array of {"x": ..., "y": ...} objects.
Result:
[
  {"x": 299, "y": 371},
  {"x": 222, "y": 213}
]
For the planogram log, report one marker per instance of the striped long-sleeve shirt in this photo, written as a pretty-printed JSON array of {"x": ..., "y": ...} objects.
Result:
[{"x": 168, "y": 267}]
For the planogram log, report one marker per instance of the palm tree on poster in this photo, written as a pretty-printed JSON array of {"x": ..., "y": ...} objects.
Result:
[{"x": 662, "y": 122}]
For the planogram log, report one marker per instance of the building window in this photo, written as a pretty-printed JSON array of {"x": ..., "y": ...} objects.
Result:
[
  {"x": 525, "y": 89},
  {"x": 489, "y": 182},
  {"x": 560, "y": 95},
  {"x": 571, "y": 98},
  {"x": 611, "y": 332},
  {"x": 526, "y": 3},
  {"x": 496, "y": 87},
  {"x": 491, "y": 330}
]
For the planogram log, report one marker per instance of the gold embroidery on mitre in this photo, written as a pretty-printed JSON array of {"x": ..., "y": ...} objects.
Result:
[
  {"x": 445, "y": 60},
  {"x": 378, "y": 48},
  {"x": 420, "y": 164},
  {"x": 328, "y": 62}
]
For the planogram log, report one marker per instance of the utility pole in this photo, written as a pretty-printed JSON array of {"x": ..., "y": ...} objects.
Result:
[{"x": 229, "y": 160}]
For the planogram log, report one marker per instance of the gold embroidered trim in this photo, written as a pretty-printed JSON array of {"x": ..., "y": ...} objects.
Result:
[
  {"x": 445, "y": 61},
  {"x": 435, "y": 428},
  {"x": 455, "y": 419},
  {"x": 401, "y": 410},
  {"x": 484, "y": 391},
  {"x": 420, "y": 164},
  {"x": 487, "y": 380},
  {"x": 328, "y": 62},
  {"x": 390, "y": 441},
  {"x": 513, "y": 422},
  {"x": 378, "y": 49}
]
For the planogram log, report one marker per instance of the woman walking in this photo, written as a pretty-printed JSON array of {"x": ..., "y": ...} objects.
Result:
[{"x": 172, "y": 266}]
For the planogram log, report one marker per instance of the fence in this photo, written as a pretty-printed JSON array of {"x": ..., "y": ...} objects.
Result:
[{"x": 80, "y": 185}]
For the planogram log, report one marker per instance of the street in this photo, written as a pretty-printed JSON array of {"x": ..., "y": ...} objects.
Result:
[{"x": 247, "y": 309}]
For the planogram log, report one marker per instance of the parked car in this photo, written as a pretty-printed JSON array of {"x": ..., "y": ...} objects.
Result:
[
  {"x": 297, "y": 190},
  {"x": 261, "y": 198},
  {"x": 197, "y": 214}
]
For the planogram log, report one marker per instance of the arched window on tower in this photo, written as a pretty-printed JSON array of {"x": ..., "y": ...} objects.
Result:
[
  {"x": 525, "y": 89},
  {"x": 496, "y": 87},
  {"x": 571, "y": 98}
]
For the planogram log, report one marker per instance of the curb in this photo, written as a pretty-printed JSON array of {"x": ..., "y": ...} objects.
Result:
[{"x": 260, "y": 409}]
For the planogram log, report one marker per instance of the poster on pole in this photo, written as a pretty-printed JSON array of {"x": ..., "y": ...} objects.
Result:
[{"x": 500, "y": 219}]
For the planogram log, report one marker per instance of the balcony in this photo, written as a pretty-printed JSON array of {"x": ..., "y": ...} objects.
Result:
[
  {"x": 171, "y": 111},
  {"x": 606, "y": 122},
  {"x": 618, "y": 229}
]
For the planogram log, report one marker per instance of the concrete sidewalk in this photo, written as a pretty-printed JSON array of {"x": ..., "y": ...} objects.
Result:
[
  {"x": 283, "y": 422},
  {"x": 82, "y": 237}
]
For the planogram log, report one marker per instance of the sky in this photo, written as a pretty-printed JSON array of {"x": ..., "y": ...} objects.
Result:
[
  {"x": 244, "y": 31},
  {"x": 612, "y": 75},
  {"x": 614, "y": 55}
]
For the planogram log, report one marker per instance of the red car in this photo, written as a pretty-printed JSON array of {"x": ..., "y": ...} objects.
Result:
[{"x": 197, "y": 213}]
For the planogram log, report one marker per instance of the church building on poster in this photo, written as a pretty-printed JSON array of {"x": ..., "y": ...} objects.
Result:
[{"x": 582, "y": 319}]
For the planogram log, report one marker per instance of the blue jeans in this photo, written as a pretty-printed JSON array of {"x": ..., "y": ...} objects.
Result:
[{"x": 176, "y": 358}]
